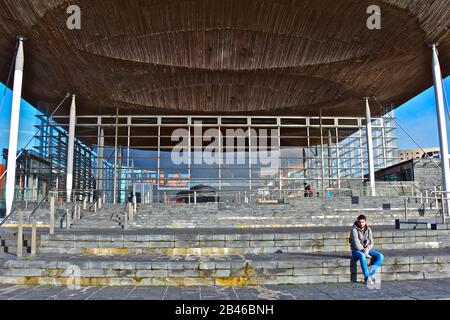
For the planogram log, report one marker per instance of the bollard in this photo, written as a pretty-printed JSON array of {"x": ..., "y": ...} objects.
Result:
[
  {"x": 195, "y": 197},
  {"x": 84, "y": 204},
  {"x": 79, "y": 212},
  {"x": 100, "y": 202},
  {"x": 406, "y": 208},
  {"x": 125, "y": 220},
  {"x": 20, "y": 235},
  {"x": 52, "y": 215},
  {"x": 67, "y": 219},
  {"x": 130, "y": 212},
  {"x": 33, "y": 237},
  {"x": 443, "y": 207}
]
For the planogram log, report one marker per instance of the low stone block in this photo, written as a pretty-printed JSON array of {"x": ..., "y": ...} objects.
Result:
[
  {"x": 207, "y": 265},
  {"x": 237, "y": 244},
  {"x": 25, "y": 272},
  {"x": 287, "y": 243},
  {"x": 336, "y": 270},
  {"x": 307, "y": 271},
  {"x": 206, "y": 237},
  {"x": 299, "y": 249},
  {"x": 259, "y": 244},
  {"x": 61, "y": 244},
  {"x": 314, "y": 263},
  {"x": 218, "y": 237},
  {"x": 323, "y": 279},
  {"x": 276, "y": 271},
  {"x": 416, "y": 260},
  {"x": 306, "y": 243},
  {"x": 183, "y": 273},
  {"x": 335, "y": 242},
  {"x": 151, "y": 273},
  {"x": 410, "y": 276},
  {"x": 396, "y": 268},
  {"x": 317, "y": 236},
  {"x": 89, "y": 273},
  {"x": 222, "y": 273},
  {"x": 292, "y": 279},
  {"x": 268, "y": 250},
  {"x": 160, "y": 244},
  {"x": 388, "y": 276},
  {"x": 404, "y": 240},
  {"x": 305, "y": 236},
  {"x": 268, "y": 236},
  {"x": 437, "y": 275},
  {"x": 430, "y": 259},
  {"x": 331, "y": 235},
  {"x": 127, "y": 265},
  {"x": 174, "y": 265},
  {"x": 223, "y": 265}
]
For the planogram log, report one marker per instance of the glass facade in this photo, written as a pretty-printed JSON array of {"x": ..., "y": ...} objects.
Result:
[{"x": 160, "y": 157}]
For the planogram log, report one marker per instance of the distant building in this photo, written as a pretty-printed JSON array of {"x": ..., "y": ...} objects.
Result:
[
  {"x": 408, "y": 154},
  {"x": 425, "y": 173}
]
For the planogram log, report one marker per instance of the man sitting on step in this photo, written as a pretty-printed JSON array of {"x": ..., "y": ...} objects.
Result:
[{"x": 361, "y": 242}]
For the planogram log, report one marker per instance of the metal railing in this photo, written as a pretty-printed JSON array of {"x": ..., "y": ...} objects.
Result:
[{"x": 433, "y": 200}]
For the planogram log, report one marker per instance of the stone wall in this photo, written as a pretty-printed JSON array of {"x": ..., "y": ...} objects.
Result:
[{"x": 427, "y": 173}]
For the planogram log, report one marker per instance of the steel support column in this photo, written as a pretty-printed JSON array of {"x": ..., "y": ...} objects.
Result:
[
  {"x": 443, "y": 143},
  {"x": 70, "y": 149},
  {"x": 14, "y": 127},
  {"x": 370, "y": 149},
  {"x": 115, "y": 157}
]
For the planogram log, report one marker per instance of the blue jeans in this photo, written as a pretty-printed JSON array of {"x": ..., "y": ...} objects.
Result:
[{"x": 360, "y": 255}]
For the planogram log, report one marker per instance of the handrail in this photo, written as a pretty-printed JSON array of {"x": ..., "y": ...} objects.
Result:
[
  {"x": 16, "y": 205},
  {"x": 9, "y": 215},
  {"x": 38, "y": 206}
]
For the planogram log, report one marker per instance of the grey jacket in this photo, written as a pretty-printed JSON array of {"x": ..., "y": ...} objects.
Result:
[{"x": 361, "y": 238}]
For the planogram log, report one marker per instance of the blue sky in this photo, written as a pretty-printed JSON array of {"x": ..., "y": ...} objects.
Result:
[
  {"x": 417, "y": 117},
  {"x": 27, "y": 120}
]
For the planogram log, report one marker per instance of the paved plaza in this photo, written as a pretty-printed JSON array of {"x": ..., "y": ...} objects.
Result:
[{"x": 390, "y": 290}]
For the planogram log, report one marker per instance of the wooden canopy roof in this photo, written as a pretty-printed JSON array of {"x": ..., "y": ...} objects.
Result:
[{"x": 253, "y": 57}]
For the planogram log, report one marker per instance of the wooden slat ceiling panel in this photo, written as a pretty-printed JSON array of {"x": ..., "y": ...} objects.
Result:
[{"x": 263, "y": 57}]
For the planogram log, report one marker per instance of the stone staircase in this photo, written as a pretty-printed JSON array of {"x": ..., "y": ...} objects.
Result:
[
  {"x": 298, "y": 213},
  {"x": 226, "y": 257},
  {"x": 233, "y": 241},
  {"x": 227, "y": 245}
]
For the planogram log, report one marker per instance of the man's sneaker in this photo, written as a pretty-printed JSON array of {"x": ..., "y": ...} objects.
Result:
[{"x": 370, "y": 280}]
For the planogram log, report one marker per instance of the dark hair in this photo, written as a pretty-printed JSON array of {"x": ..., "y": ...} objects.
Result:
[{"x": 362, "y": 217}]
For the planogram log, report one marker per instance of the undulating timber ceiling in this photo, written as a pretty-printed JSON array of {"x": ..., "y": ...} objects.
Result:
[{"x": 252, "y": 57}]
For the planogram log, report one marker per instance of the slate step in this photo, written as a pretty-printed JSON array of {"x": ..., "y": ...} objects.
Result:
[
  {"x": 218, "y": 270},
  {"x": 233, "y": 241}
]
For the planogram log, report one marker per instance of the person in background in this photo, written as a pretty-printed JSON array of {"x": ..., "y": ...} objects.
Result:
[{"x": 308, "y": 190}]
